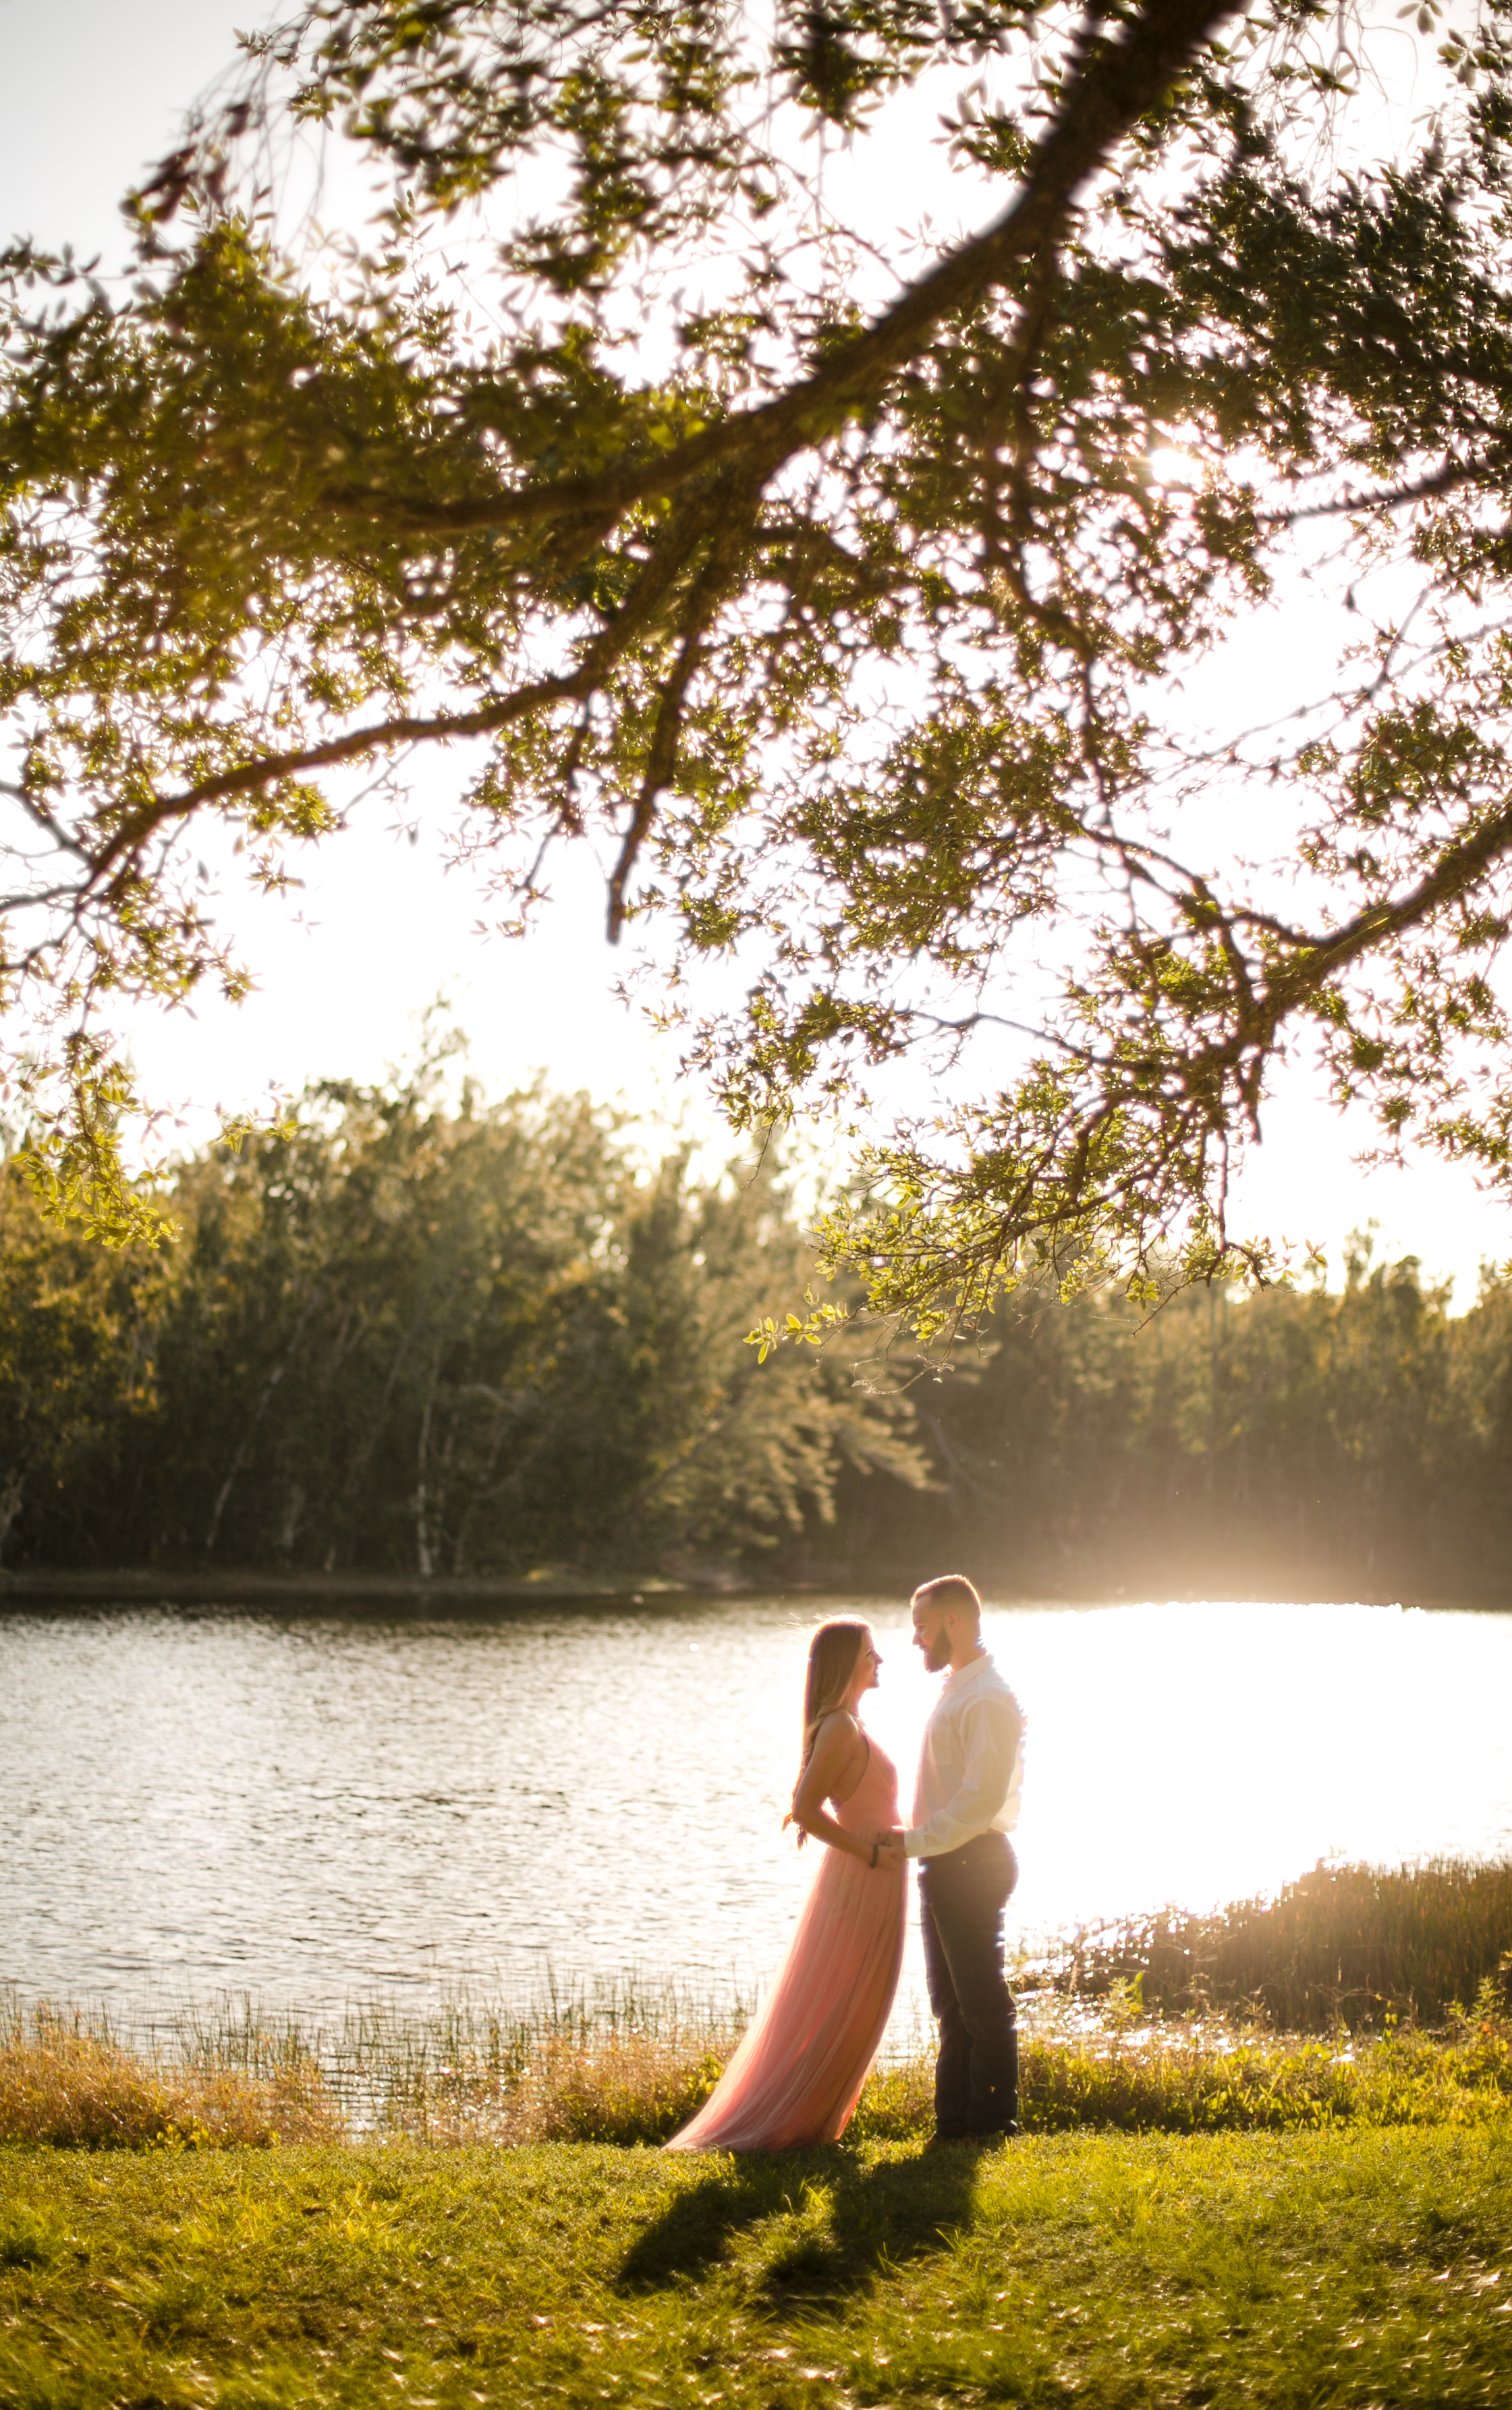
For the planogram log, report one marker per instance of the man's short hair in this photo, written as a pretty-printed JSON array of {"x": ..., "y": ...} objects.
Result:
[{"x": 952, "y": 1593}]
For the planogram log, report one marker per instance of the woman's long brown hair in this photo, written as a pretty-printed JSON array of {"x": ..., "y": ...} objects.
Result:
[{"x": 833, "y": 1654}]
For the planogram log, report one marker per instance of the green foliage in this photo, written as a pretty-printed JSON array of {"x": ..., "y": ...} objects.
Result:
[
  {"x": 402, "y": 1336},
  {"x": 1197, "y": 2080},
  {"x": 1295, "y": 1443},
  {"x": 78, "y": 1326},
  {"x": 838, "y": 587},
  {"x": 1279, "y": 2269}
]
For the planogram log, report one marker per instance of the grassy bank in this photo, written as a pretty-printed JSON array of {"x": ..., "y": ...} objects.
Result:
[
  {"x": 1184, "y": 2008},
  {"x": 1358, "y": 1996},
  {"x": 1297, "y": 2269},
  {"x": 1203, "y": 2210},
  {"x": 630, "y": 2068}
]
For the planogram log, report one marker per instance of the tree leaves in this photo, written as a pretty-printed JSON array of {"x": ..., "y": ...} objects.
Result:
[
  {"x": 415, "y": 1334},
  {"x": 836, "y": 584}
]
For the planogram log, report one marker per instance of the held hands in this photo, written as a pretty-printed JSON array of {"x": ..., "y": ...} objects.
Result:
[{"x": 890, "y": 1851}]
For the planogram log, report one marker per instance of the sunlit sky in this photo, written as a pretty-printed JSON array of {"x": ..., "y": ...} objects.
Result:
[{"x": 90, "y": 92}]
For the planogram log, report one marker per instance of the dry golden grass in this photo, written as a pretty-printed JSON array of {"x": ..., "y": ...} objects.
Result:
[
  {"x": 612, "y": 2083},
  {"x": 511, "y": 2078},
  {"x": 617, "y": 2064},
  {"x": 65, "y": 2080}
]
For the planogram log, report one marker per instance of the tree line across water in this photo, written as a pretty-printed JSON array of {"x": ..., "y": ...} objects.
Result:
[{"x": 415, "y": 1335}]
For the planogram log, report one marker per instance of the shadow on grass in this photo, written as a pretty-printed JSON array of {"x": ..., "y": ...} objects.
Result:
[{"x": 837, "y": 2220}]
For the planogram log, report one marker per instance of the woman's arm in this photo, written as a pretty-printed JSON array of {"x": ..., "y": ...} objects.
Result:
[{"x": 834, "y": 1751}]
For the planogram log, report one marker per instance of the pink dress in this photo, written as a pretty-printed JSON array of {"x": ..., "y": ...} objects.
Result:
[{"x": 798, "y": 2071}]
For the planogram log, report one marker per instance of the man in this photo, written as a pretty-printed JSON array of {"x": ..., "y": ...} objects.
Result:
[{"x": 966, "y": 1803}]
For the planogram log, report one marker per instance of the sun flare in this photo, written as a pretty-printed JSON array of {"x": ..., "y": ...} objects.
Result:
[{"x": 1169, "y": 467}]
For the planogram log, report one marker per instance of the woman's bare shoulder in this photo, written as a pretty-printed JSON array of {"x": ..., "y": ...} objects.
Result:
[
  {"x": 839, "y": 1719},
  {"x": 840, "y": 1728}
]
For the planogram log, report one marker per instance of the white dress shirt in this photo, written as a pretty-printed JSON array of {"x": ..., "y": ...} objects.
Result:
[{"x": 970, "y": 1763}]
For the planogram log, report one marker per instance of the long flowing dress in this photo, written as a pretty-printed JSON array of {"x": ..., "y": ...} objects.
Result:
[{"x": 797, "y": 2074}]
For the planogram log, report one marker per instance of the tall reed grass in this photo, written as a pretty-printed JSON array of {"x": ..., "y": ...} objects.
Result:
[
  {"x": 1358, "y": 1945},
  {"x": 66, "y": 2078},
  {"x": 1185, "y": 2024},
  {"x": 469, "y": 2073},
  {"x": 615, "y": 2061}
]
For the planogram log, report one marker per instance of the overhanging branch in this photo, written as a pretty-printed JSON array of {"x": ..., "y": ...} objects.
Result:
[{"x": 1117, "y": 83}]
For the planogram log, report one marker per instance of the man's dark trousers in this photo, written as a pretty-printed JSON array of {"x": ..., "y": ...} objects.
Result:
[{"x": 962, "y": 1895}]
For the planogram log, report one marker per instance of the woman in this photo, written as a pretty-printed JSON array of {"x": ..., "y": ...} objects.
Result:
[{"x": 798, "y": 2072}]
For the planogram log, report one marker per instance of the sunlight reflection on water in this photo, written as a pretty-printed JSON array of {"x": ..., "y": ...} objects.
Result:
[{"x": 315, "y": 1808}]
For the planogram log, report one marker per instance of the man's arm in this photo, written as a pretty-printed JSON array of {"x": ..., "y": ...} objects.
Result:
[{"x": 990, "y": 1730}]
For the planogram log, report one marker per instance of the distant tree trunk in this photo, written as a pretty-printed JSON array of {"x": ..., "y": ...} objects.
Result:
[
  {"x": 10, "y": 1497},
  {"x": 425, "y": 1554},
  {"x": 1212, "y": 1388},
  {"x": 363, "y": 1454},
  {"x": 239, "y": 1460},
  {"x": 293, "y": 1518},
  {"x": 244, "y": 1447},
  {"x": 422, "y": 1536}
]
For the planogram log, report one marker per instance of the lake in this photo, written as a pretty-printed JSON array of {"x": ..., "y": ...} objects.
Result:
[{"x": 316, "y": 1808}]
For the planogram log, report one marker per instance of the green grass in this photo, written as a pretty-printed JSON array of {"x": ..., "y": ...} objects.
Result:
[
  {"x": 1197, "y": 2078},
  {"x": 1362, "y": 2267},
  {"x": 1203, "y": 2210}
]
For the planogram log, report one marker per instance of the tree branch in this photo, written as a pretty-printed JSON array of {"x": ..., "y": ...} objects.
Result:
[
  {"x": 1117, "y": 84},
  {"x": 1451, "y": 478}
]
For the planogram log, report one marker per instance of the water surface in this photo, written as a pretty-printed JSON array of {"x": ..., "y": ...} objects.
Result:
[{"x": 319, "y": 1807}]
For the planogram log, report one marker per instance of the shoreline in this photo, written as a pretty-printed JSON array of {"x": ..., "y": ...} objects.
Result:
[{"x": 232, "y": 1588}]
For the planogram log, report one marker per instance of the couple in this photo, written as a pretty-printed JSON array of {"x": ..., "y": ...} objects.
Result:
[{"x": 798, "y": 2071}]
